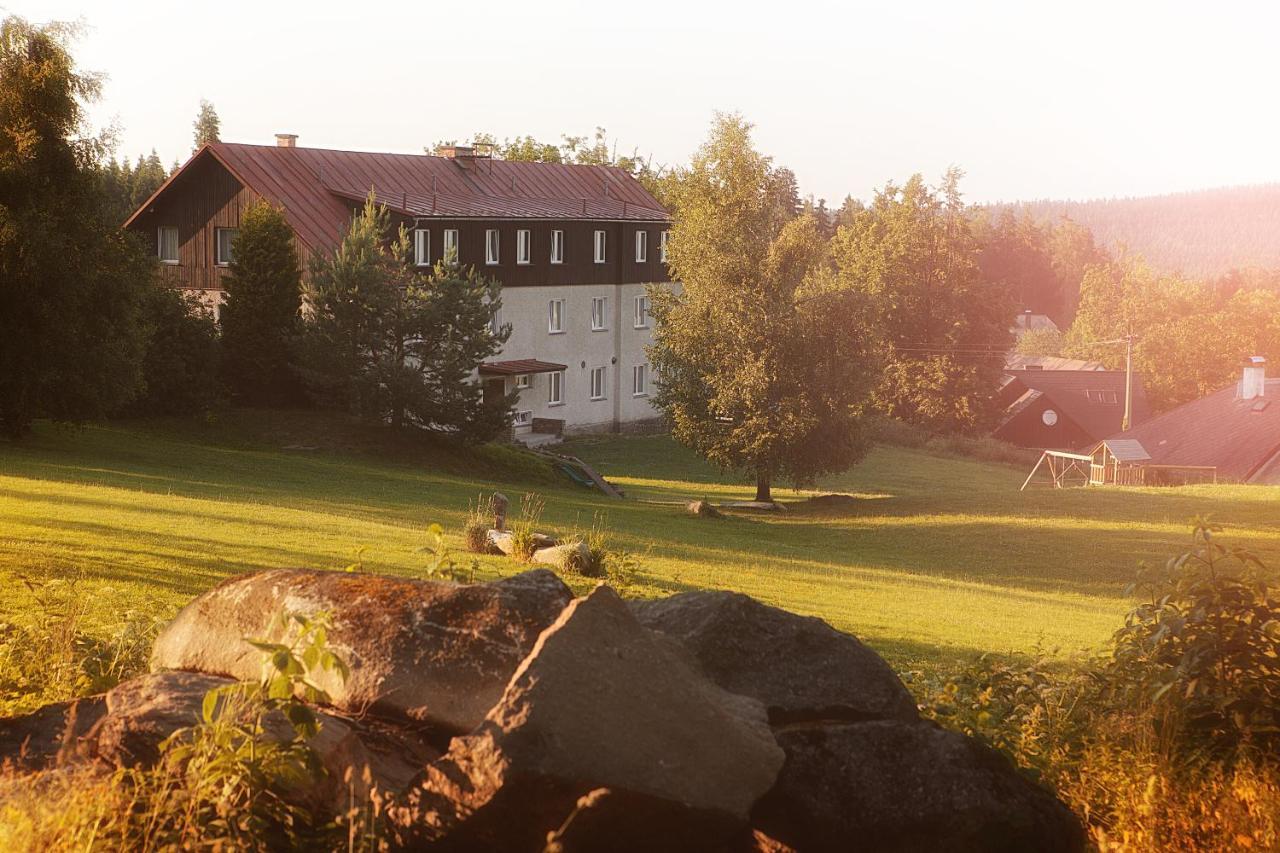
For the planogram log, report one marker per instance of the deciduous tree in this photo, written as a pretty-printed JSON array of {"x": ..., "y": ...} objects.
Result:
[
  {"x": 71, "y": 284},
  {"x": 947, "y": 328},
  {"x": 765, "y": 358}
]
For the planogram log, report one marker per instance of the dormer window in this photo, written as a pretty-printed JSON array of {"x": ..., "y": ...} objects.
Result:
[
  {"x": 523, "y": 248},
  {"x": 600, "y": 247},
  {"x": 557, "y": 247},
  {"x": 167, "y": 244},
  {"x": 491, "y": 246},
  {"x": 223, "y": 238},
  {"x": 642, "y": 246},
  {"x": 422, "y": 247}
]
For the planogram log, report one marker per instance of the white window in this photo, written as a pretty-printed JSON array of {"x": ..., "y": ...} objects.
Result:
[
  {"x": 523, "y": 418},
  {"x": 555, "y": 316},
  {"x": 642, "y": 312},
  {"x": 599, "y": 308},
  {"x": 167, "y": 244},
  {"x": 557, "y": 247},
  {"x": 223, "y": 238},
  {"x": 451, "y": 244},
  {"x": 523, "y": 381},
  {"x": 642, "y": 246},
  {"x": 662, "y": 247},
  {"x": 491, "y": 246},
  {"x": 422, "y": 247},
  {"x": 597, "y": 383},
  {"x": 600, "y": 247},
  {"x": 555, "y": 388},
  {"x": 495, "y": 323},
  {"x": 639, "y": 380},
  {"x": 523, "y": 246}
]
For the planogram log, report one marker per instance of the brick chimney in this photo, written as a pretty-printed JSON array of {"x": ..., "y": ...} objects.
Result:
[
  {"x": 463, "y": 155},
  {"x": 1253, "y": 380},
  {"x": 287, "y": 140}
]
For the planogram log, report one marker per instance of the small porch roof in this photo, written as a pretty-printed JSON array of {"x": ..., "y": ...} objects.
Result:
[
  {"x": 519, "y": 367},
  {"x": 1125, "y": 449}
]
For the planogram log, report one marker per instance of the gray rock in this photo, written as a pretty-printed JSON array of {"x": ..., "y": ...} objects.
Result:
[
  {"x": 141, "y": 714},
  {"x": 798, "y": 666},
  {"x": 432, "y": 652},
  {"x": 571, "y": 556},
  {"x": 599, "y": 703},
  {"x": 502, "y": 541},
  {"x": 703, "y": 509},
  {"x": 894, "y": 787},
  {"x": 45, "y": 737}
]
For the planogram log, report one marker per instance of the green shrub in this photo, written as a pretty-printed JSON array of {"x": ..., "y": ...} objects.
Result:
[
  {"x": 475, "y": 528},
  {"x": 524, "y": 540},
  {"x": 180, "y": 370}
]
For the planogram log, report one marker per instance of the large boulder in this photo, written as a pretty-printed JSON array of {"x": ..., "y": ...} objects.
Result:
[
  {"x": 435, "y": 652},
  {"x": 800, "y": 667},
  {"x": 601, "y": 702},
  {"x": 891, "y": 786}
]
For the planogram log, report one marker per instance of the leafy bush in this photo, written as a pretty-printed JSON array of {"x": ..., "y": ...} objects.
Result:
[
  {"x": 984, "y": 448},
  {"x": 1204, "y": 651},
  {"x": 1172, "y": 741},
  {"x": 180, "y": 370}
]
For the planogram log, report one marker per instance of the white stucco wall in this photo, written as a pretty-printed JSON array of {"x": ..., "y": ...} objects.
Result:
[{"x": 617, "y": 348}]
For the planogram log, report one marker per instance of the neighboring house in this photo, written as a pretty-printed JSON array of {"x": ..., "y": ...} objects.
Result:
[
  {"x": 1065, "y": 409},
  {"x": 1234, "y": 431},
  {"x": 1029, "y": 322},
  {"x": 574, "y": 247},
  {"x": 1015, "y": 361}
]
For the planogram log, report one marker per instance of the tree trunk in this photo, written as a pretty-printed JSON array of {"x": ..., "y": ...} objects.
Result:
[{"x": 763, "y": 494}]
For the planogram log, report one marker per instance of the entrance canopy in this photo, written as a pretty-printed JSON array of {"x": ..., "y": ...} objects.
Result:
[{"x": 519, "y": 367}]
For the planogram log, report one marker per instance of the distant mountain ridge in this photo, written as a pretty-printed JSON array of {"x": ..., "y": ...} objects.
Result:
[{"x": 1202, "y": 233}]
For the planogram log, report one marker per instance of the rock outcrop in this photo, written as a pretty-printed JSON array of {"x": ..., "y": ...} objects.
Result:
[
  {"x": 510, "y": 716},
  {"x": 427, "y": 651},
  {"x": 599, "y": 703},
  {"x": 798, "y": 666}
]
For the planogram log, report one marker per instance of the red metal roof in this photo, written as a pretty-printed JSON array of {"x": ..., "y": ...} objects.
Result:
[
  {"x": 519, "y": 367},
  {"x": 1238, "y": 437},
  {"x": 316, "y": 187}
]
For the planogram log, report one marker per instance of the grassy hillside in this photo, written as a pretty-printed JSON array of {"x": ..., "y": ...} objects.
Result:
[
  {"x": 937, "y": 560},
  {"x": 1201, "y": 234}
]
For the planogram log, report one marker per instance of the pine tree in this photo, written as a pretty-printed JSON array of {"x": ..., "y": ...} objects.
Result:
[
  {"x": 260, "y": 316},
  {"x": 206, "y": 126},
  {"x": 393, "y": 345},
  {"x": 71, "y": 284},
  {"x": 765, "y": 358}
]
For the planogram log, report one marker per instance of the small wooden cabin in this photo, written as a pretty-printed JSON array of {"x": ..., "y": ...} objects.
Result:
[{"x": 1119, "y": 462}]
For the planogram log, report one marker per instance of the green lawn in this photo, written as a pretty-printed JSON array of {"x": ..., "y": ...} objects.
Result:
[{"x": 939, "y": 559}]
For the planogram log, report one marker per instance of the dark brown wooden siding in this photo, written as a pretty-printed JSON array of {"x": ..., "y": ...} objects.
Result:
[
  {"x": 208, "y": 197},
  {"x": 579, "y": 265},
  {"x": 201, "y": 200}
]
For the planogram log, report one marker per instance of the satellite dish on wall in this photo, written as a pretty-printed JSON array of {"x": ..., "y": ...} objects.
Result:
[{"x": 1049, "y": 416}]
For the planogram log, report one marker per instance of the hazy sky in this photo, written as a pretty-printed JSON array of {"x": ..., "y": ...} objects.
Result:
[{"x": 1031, "y": 99}]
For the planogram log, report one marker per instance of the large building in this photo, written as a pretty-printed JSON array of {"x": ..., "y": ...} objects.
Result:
[{"x": 573, "y": 246}]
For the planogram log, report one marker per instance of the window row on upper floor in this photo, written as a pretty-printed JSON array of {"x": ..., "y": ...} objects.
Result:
[
  {"x": 167, "y": 244},
  {"x": 525, "y": 251}
]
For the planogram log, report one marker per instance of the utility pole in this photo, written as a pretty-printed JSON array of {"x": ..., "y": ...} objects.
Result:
[
  {"x": 1128, "y": 384},
  {"x": 1127, "y": 421}
]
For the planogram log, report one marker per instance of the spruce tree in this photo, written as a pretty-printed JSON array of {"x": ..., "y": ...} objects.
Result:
[{"x": 260, "y": 315}]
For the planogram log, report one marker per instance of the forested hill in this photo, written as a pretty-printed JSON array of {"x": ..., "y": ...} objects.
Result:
[{"x": 1202, "y": 233}]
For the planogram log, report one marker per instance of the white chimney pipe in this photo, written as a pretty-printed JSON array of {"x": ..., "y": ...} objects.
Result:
[{"x": 1253, "y": 381}]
